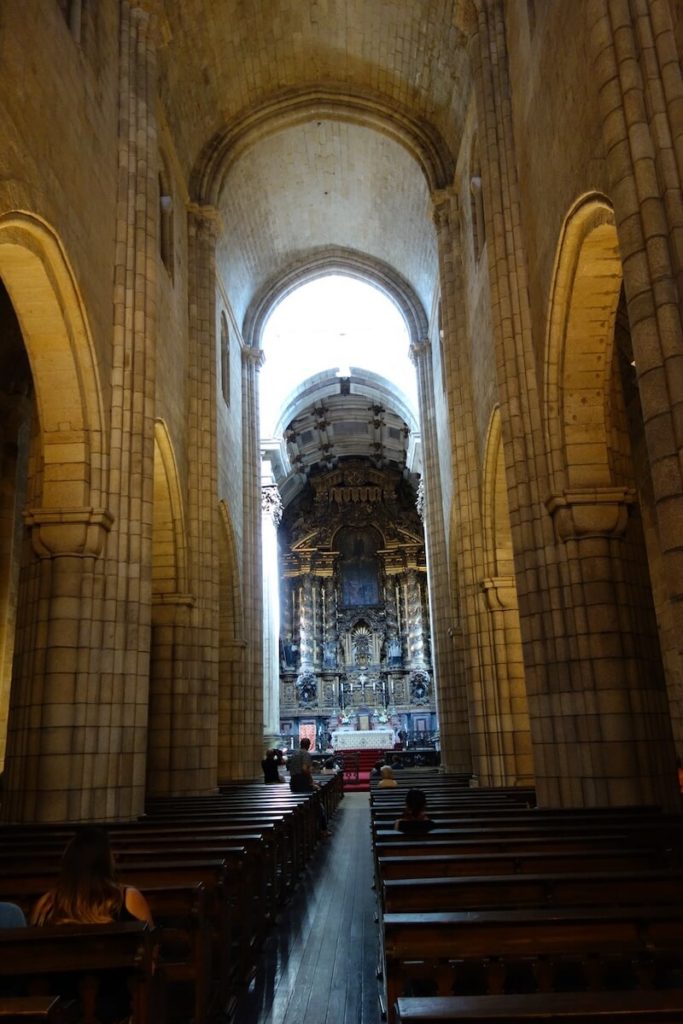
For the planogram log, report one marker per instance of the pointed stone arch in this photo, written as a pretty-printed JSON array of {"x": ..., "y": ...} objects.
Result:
[{"x": 51, "y": 312}]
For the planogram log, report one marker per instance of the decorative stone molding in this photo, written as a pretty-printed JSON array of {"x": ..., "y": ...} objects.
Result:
[
  {"x": 500, "y": 593},
  {"x": 271, "y": 503},
  {"x": 590, "y": 512},
  {"x": 79, "y": 532}
]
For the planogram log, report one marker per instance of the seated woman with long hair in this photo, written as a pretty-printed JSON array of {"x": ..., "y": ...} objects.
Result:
[
  {"x": 414, "y": 820},
  {"x": 87, "y": 892}
]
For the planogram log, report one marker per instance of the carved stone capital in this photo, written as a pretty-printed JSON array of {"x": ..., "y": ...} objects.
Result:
[
  {"x": 419, "y": 350},
  {"x": 204, "y": 211},
  {"x": 253, "y": 357},
  {"x": 500, "y": 593},
  {"x": 444, "y": 207},
  {"x": 79, "y": 532},
  {"x": 590, "y": 512}
]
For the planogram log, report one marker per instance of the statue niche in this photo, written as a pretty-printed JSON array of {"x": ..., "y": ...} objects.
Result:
[{"x": 358, "y": 566}]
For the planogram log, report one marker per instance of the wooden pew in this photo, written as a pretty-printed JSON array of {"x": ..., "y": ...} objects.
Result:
[
  {"x": 87, "y": 951},
  {"x": 631, "y": 1007},
  {"x": 182, "y": 932},
  {"x": 425, "y": 895},
  {"x": 524, "y": 862},
  {"x": 31, "y": 1009},
  {"x": 448, "y": 951},
  {"x": 430, "y": 845}
]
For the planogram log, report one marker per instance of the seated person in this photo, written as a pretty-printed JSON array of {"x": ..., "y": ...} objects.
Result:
[
  {"x": 330, "y": 767},
  {"x": 301, "y": 778},
  {"x": 396, "y": 762},
  {"x": 300, "y": 767},
  {"x": 377, "y": 770},
  {"x": 270, "y": 765},
  {"x": 414, "y": 820},
  {"x": 87, "y": 892},
  {"x": 387, "y": 780}
]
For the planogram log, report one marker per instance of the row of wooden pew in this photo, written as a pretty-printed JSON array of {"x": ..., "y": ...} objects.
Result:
[
  {"x": 214, "y": 870},
  {"x": 507, "y": 912}
]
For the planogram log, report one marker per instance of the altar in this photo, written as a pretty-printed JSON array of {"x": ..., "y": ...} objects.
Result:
[{"x": 363, "y": 739}]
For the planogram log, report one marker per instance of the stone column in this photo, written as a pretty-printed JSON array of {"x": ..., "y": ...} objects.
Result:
[
  {"x": 61, "y": 713},
  {"x": 244, "y": 755},
  {"x": 83, "y": 649},
  {"x": 497, "y": 731},
  {"x": 271, "y": 509},
  {"x": 449, "y": 683},
  {"x": 638, "y": 78},
  {"x": 570, "y": 686},
  {"x": 620, "y": 716},
  {"x": 183, "y": 719},
  {"x": 508, "y": 735}
]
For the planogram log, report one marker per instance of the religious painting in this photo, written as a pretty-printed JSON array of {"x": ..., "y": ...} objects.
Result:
[{"x": 358, "y": 566}]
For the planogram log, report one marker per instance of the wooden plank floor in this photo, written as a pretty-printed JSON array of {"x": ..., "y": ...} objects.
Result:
[{"x": 319, "y": 962}]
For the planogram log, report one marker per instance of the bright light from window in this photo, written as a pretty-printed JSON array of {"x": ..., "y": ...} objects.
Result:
[{"x": 333, "y": 323}]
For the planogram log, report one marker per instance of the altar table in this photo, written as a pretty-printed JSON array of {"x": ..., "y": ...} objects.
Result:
[{"x": 363, "y": 739}]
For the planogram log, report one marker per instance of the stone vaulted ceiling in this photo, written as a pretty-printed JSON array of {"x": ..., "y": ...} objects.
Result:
[
  {"x": 315, "y": 124},
  {"x": 318, "y": 128}
]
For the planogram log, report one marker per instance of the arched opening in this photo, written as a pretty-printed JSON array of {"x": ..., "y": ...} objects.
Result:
[
  {"x": 603, "y": 514},
  {"x": 53, "y": 465},
  {"x": 17, "y": 413},
  {"x": 326, "y": 326}
]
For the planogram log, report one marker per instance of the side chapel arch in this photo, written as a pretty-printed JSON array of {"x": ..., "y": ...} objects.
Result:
[
  {"x": 613, "y": 651},
  {"x": 51, "y": 313},
  {"x": 67, "y": 517}
]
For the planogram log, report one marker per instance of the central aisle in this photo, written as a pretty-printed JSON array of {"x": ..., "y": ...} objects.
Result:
[{"x": 319, "y": 963}]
